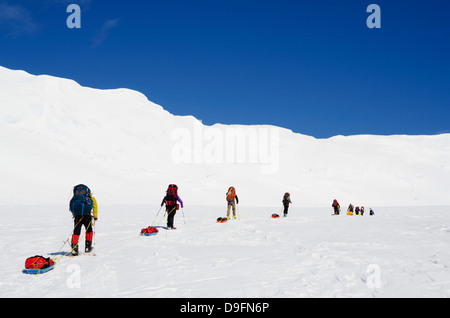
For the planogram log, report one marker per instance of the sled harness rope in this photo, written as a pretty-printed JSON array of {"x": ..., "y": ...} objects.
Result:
[{"x": 67, "y": 241}]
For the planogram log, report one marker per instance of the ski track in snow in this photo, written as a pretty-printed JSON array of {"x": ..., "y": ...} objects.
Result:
[{"x": 308, "y": 254}]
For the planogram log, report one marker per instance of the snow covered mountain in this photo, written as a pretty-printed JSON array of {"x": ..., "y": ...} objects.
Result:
[{"x": 55, "y": 134}]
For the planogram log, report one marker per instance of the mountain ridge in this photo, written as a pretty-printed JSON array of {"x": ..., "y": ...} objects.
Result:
[{"x": 119, "y": 142}]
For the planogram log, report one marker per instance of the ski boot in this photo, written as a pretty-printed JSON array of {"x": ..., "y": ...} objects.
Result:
[
  {"x": 88, "y": 247},
  {"x": 74, "y": 249}
]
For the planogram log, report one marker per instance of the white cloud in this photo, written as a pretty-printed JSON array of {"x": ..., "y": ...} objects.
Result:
[
  {"x": 104, "y": 31},
  {"x": 16, "y": 20}
]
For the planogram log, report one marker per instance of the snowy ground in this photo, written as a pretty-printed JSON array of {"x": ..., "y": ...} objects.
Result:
[{"x": 399, "y": 252}]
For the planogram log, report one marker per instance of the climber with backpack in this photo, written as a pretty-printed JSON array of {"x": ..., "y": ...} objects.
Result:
[
  {"x": 350, "y": 209},
  {"x": 231, "y": 197},
  {"x": 336, "y": 207},
  {"x": 81, "y": 206},
  {"x": 171, "y": 201},
  {"x": 286, "y": 201}
]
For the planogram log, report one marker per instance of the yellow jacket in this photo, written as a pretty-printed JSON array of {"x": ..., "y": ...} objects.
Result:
[{"x": 94, "y": 207}]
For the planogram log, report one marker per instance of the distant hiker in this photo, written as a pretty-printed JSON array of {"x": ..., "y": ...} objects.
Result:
[
  {"x": 357, "y": 210},
  {"x": 350, "y": 209},
  {"x": 362, "y": 211},
  {"x": 336, "y": 207},
  {"x": 286, "y": 201},
  {"x": 81, "y": 206},
  {"x": 171, "y": 200},
  {"x": 231, "y": 197},
  {"x": 371, "y": 212}
]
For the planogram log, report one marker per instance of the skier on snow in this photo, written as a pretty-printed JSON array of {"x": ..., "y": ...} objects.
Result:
[
  {"x": 350, "y": 209},
  {"x": 231, "y": 196},
  {"x": 81, "y": 206},
  {"x": 336, "y": 206},
  {"x": 171, "y": 201},
  {"x": 286, "y": 201}
]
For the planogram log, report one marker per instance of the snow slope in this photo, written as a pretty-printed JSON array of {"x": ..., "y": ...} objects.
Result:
[
  {"x": 399, "y": 252},
  {"x": 55, "y": 133}
]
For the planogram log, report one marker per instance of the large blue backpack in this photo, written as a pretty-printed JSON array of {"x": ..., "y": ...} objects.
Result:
[{"x": 81, "y": 203}]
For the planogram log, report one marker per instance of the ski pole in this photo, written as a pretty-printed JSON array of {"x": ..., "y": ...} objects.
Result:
[
  {"x": 93, "y": 230},
  {"x": 184, "y": 220},
  {"x": 156, "y": 215}
]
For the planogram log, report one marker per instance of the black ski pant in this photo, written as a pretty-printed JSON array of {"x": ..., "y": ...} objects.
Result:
[
  {"x": 286, "y": 207},
  {"x": 80, "y": 221},
  {"x": 171, "y": 211}
]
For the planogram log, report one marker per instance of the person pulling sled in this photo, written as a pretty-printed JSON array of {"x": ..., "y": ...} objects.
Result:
[
  {"x": 336, "y": 207},
  {"x": 83, "y": 206},
  {"x": 286, "y": 201},
  {"x": 350, "y": 209},
  {"x": 232, "y": 200},
  {"x": 171, "y": 201}
]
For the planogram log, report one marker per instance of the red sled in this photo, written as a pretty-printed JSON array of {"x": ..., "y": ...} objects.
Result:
[
  {"x": 37, "y": 265},
  {"x": 222, "y": 220},
  {"x": 149, "y": 231}
]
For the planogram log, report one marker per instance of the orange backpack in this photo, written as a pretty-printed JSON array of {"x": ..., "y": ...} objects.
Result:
[{"x": 231, "y": 194}]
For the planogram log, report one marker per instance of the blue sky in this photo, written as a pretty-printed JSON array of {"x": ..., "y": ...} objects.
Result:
[{"x": 310, "y": 66}]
